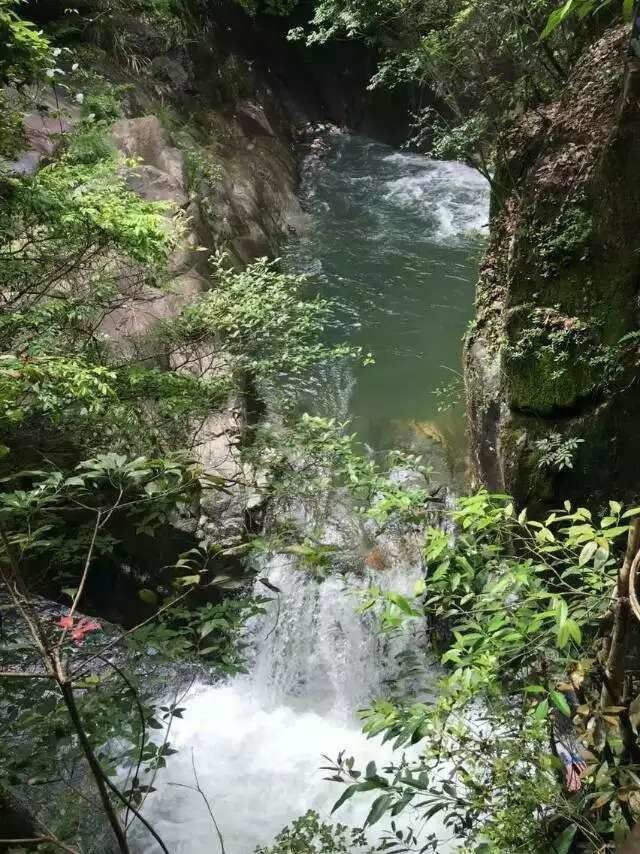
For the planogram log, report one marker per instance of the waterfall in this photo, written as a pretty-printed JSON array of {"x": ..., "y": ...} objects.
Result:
[
  {"x": 257, "y": 740},
  {"x": 390, "y": 242}
]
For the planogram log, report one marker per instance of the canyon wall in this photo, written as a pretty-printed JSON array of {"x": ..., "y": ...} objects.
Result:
[{"x": 551, "y": 363}]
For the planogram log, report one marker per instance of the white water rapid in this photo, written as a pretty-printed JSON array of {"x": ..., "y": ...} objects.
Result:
[
  {"x": 388, "y": 236},
  {"x": 257, "y": 740}
]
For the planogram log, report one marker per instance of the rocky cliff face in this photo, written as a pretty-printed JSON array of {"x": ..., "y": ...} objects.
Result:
[
  {"x": 551, "y": 362},
  {"x": 210, "y": 129},
  {"x": 212, "y": 132}
]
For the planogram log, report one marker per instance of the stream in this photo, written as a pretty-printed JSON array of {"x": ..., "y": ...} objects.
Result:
[{"x": 394, "y": 240}]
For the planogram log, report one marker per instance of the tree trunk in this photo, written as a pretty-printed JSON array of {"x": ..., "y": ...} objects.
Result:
[{"x": 613, "y": 687}]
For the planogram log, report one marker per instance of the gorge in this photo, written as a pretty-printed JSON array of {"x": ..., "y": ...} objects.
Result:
[
  {"x": 318, "y": 351},
  {"x": 390, "y": 234}
]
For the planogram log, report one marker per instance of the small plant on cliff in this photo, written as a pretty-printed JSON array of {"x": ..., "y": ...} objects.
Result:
[
  {"x": 556, "y": 451},
  {"x": 451, "y": 395},
  {"x": 170, "y": 23},
  {"x": 566, "y": 239},
  {"x": 556, "y": 359}
]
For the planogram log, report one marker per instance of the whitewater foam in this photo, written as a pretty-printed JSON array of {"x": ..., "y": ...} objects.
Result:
[
  {"x": 257, "y": 741},
  {"x": 453, "y": 195}
]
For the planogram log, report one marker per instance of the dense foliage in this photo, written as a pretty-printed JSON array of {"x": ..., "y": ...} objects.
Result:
[
  {"x": 476, "y": 67},
  {"x": 93, "y": 422},
  {"x": 269, "y": 324},
  {"x": 473, "y": 69},
  {"x": 532, "y": 739},
  {"x": 309, "y": 835}
]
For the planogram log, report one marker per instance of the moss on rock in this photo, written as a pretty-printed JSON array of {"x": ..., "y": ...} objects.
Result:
[
  {"x": 554, "y": 362},
  {"x": 559, "y": 290}
]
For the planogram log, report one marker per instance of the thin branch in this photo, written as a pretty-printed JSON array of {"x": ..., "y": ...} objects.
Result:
[
  {"x": 198, "y": 789},
  {"x": 143, "y": 726},
  {"x": 136, "y": 812},
  {"x": 96, "y": 769},
  {"x": 20, "y": 674},
  {"x": 40, "y": 840},
  {"x": 85, "y": 573},
  {"x": 178, "y": 698}
]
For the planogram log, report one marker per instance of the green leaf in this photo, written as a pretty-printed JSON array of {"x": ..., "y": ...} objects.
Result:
[
  {"x": 542, "y": 710},
  {"x": 574, "y": 630},
  {"x": 419, "y": 587},
  {"x": 148, "y": 596},
  {"x": 556, "y": 18},
  {"x": 564, "y": 635},
  {"x": 560, "y": 702},
  {"x": 348, "y": 793},
  {"x": 378, "y": 809},
  {"x": 601, "y": 801},
  {"x": 206, "y": 628},
  {"x": 400, "y": 602},
  {"x": 588, "y": 551},
  {"x": 562, "y": 842},
  {"x": 187, "y": 580},
  {"x": 601, "y": 556}
]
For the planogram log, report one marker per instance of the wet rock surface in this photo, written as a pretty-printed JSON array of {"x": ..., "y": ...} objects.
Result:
[{"x": 559, "y": 290}]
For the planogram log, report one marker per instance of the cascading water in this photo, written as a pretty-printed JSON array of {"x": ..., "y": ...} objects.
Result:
[
  {"x": 389, "y": 239},
  {"x": 257, "y": 741}
]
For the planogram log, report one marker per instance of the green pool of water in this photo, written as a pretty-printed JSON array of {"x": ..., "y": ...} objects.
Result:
[{"x": 394, "y": 239}]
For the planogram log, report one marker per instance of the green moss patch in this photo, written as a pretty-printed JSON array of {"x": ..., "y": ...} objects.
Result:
[{"x": 553, "y": 361}]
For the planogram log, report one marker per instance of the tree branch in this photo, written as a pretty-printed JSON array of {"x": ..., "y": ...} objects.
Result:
[{"x": 40, "y": 840}]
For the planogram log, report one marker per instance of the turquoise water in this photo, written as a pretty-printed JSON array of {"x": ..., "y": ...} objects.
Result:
[{"x": 394, "y": 239}]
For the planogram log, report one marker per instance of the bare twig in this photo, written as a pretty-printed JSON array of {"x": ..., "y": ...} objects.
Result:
[
  {"x": 40, "y": 840},
  {"x": 199, "y": 790},
  {"x": 165, "y": 741},
  {"x": 19, "y": 674},
  {"x": 85, "y": 573}
]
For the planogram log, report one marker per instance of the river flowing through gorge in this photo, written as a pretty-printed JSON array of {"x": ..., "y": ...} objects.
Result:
[{"x": 393, "y": 239}]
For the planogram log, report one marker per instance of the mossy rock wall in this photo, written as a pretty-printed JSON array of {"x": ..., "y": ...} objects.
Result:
[{"x": 558, "y": 291}]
